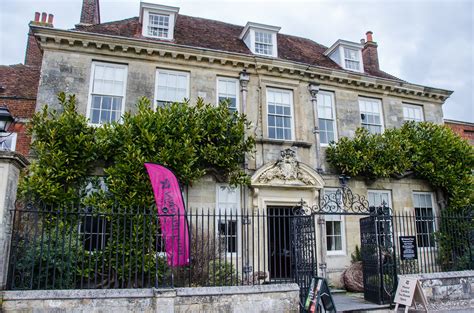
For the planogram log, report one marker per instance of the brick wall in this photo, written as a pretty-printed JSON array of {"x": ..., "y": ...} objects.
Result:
[{"x": 465, "y": 130}]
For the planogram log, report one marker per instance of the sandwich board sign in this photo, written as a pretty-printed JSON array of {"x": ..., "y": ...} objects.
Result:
[
  {"x": 319, "y": 296},
  {"x": 409, "y": 293}
]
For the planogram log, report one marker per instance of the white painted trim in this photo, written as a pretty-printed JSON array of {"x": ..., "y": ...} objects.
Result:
[
  {"x": 434, "y": 210},
  {"x": 413, "y": 106},
  {"x": 339, "y": 42},
  {"x": 382, "y": 120},
  {"x": 91, "y": 83},
  {"x": 389, "y": 191},
  {"x": 333, "y": 105},
  {"x": 343, "y": 232},
  {"x": 146, "y": 22},
  {"x": 264, "y": 27},
  {"x": 163, "y": 70},
  {"x": 292, "y": 111},
  {"x": 13, "y": 136},
  {"x": 238, "y": 218},
  {"x": 237, "y": 90}
]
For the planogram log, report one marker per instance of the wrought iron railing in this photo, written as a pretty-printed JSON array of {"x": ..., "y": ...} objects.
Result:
[{"x": 81, "y": 247}]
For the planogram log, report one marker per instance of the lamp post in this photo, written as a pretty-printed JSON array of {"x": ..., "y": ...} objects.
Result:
[{"x": 6, "y": 120}]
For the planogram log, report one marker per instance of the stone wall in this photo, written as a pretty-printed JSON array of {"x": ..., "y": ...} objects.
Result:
[
  {"x": 448, "y": 290},
  {"x": 263, "y": 298}
]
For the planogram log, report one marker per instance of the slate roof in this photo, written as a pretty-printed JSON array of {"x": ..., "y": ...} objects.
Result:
[
  {"x": 204, "y": 33},
  {"x": 19, "y": 81}
]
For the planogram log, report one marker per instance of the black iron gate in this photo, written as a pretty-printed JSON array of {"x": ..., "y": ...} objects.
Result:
[
  {"x": 378, "y": 258},
  {"x": 303, "y": 239},
  {"x": 377, "y": 247}
]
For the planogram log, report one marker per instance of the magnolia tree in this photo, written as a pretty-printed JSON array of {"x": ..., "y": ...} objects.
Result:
[
  {"x": 423, "y": 150},
  {"x": 192, "y": 140}
]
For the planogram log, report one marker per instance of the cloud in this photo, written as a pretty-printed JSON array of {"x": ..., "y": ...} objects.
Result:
[{"x": 424, "y": 42}]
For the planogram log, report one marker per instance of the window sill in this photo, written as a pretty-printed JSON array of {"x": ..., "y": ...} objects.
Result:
[
  {"x": 336, "y": 253},
  {"x": 303, "y": 144}
]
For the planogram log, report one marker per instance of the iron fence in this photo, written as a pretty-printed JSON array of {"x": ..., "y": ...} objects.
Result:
[
  {"x": 83, "y": 247},
  {"x": 443, "y": 242}
]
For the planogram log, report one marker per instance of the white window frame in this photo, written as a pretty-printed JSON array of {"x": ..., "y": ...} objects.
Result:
[
  {"x": 333, "y": 108},
  {"x": 12, "y": 138},
  {"x": 237, "y": 90},
  {"x": 167, "y": 71},
  {"x": 167, "y": 28},
  {"x": 384, "y": 191},
  {"x": 271, "y": 45},
  {"x": 373, "y": 100},
  {"x": 91, "y": 89},
  {"x": 433, "y": 208},
  {"x": 343, "y": 58},
  {"x": 292, "y": 112},
  {"x": 171, "y": 12},
  {"x": 236, "y": 216},
  {"x": 410, "y": 106},
  {"x": 343, "y": 251}
]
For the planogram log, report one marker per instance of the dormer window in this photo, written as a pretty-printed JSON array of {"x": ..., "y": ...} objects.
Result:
[
  {"x": 158, "y": 20},
  {"x": 351, "y": 59},
  {"x": 263, "y": 43},
  {"x": 261, "y": 39},
  {"x": 347, "y": 54},
  {"x": 158, "y": 25}
]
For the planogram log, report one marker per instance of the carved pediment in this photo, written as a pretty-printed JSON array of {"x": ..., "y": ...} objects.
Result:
[{"x": 287, "y": 172}]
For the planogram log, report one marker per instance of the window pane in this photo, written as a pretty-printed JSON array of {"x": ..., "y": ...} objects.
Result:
[
  {"x": 371, "y": 116},
  {"x": 171, "y": 86},
  {"x": 279, "y": 114}
]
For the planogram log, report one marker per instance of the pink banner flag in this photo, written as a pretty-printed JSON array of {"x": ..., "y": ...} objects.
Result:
[{"x": 170, "y": 204}]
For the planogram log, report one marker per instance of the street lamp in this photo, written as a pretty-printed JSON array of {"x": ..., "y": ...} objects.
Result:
[{"x": 6, "y": 120}]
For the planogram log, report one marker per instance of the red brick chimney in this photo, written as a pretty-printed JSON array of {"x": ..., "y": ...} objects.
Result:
[
  {"x": 90, "y": 13},
  {"x": 369, "y": 52},
  {"x": 33, "y": 55}
]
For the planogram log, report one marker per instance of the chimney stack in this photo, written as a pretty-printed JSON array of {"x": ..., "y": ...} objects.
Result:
[
  {"x": 90, "y": 13},
  {"x": 369, "y": 52},
  {"x": 33, "y": 55}
]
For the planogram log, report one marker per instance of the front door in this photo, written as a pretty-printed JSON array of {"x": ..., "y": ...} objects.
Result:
[{"x": 279, "y": 243}]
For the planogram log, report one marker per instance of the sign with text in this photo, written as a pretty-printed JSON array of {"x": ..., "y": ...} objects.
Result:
[
  {"x": 409, "y": 293},
  {"x": 408, "y": 250}
]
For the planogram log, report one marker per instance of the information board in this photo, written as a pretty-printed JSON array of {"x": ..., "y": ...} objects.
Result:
[{"x": 408, "y": 250}]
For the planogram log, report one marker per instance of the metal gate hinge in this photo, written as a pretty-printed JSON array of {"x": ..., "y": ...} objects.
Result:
[{"x": 246, "y": 220}]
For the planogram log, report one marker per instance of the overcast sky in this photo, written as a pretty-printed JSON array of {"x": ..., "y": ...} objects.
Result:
[{"x": 428, "y": 42}]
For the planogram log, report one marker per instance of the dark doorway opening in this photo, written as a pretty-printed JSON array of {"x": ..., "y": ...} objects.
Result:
[{"x": 279, "y": 239}]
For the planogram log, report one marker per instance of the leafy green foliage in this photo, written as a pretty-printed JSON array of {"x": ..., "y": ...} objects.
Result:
[
  {"x": 53, "y": 255},
  {"x": 430, "y": 151},
  {"x": 65, "y": 149},
  {"x": 356, "y": 256},
  {"x": 192, "y": 140}
]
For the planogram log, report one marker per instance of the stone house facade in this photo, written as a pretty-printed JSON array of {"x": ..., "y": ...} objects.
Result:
[{"x": 287, "y": 86}]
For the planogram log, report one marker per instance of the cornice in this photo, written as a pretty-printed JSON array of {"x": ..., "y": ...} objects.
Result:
[{"x": 51, "y": 38}]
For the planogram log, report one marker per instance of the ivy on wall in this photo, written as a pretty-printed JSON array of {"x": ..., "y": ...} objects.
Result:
[{"x": 426, "y": 150}]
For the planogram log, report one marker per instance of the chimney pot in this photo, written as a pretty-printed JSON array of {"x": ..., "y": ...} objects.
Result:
[
  {"x": 43, "y": 17},
  {"x": 37, "y": 16},
  {"x": 369, "y": 36},
  {"x": 50, "y": 19}
]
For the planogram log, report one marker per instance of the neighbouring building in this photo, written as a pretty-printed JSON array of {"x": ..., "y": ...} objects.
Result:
[
  {"x": 18, "y": 90},
  {"x": 463, "y": 129},
  {"x": 288, "y": 87}
]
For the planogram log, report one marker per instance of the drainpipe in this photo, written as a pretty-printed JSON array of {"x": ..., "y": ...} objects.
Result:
[
  {"x": 244, "y": 79},
  {"x": 313, "y": 90}
]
